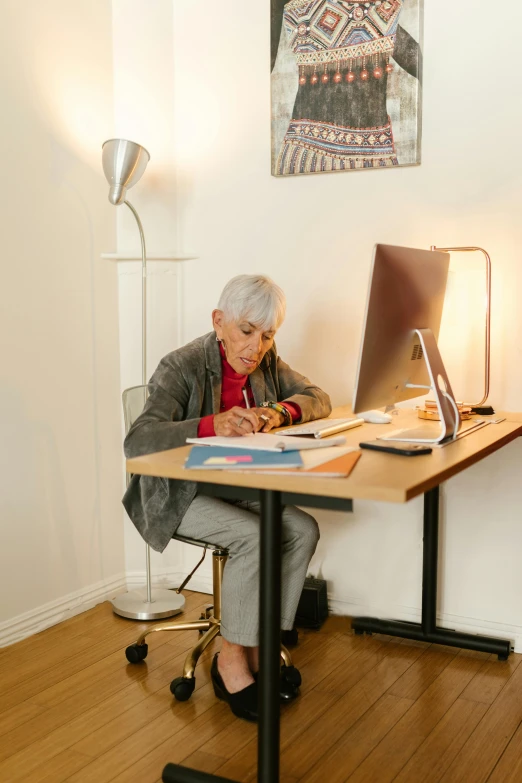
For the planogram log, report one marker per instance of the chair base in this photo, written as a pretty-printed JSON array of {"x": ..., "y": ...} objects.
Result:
[
  {"x": 134, "y": 604},
  {"x": 208, "y": 625}
]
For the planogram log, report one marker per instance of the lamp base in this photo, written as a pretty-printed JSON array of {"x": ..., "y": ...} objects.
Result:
[
  {"x": 483, "y": 410},
  {"x": 134, "y": 604}
]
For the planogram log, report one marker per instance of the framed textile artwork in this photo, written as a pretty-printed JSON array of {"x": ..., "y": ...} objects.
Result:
[{"x": 346, "y": 85}]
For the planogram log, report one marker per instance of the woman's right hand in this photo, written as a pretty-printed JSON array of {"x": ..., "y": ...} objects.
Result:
[{"x": 236, "y": 421}]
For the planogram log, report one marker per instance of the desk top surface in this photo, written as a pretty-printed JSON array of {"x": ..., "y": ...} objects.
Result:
[{"x": 377, "y": 475}]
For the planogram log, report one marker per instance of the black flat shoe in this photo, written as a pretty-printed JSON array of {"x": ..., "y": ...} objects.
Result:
[
  {"x": 243, "y": 703},
  {"x": 287, "y": 691}
]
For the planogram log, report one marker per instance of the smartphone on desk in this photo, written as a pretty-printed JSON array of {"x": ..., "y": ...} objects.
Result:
[{"x": 405, "y": 449}]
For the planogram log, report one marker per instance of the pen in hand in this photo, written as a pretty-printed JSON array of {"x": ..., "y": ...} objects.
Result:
[{"x": 245, "y": 396}]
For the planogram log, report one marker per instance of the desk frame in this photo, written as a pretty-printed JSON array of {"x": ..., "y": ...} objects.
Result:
[{"x": 427, "y": 630}]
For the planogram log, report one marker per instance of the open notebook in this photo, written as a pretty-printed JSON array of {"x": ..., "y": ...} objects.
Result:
[{"x": 264, "y": 441}]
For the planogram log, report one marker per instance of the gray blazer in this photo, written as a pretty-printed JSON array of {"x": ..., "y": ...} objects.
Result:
[{"x": 185, "y": 387}]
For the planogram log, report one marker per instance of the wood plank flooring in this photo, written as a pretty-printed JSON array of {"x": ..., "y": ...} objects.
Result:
[{"x": 372, "y": 710}]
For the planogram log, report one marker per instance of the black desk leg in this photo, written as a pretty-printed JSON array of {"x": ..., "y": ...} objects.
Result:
[
  {"x": 427, "y": 630},
  {"x": 269, "y": 637},
  {"x": 269, "y": 652}
]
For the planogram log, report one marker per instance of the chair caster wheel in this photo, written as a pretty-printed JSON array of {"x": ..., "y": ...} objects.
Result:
[
  {"x": 182, "y": 688},
  {"x": 136, "y": 652},
  {"x": 290, "y": 638},
  {"x": 357, "y": 632},
  {"x": 291, "y": 675},
  {"x": 503, "y": 657}
]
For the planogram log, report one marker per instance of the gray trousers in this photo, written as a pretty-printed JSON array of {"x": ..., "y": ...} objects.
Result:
[{"x": 235, "y": 525}]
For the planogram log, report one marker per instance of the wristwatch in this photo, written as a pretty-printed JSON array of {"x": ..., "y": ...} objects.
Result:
[{"x": 276, "y": 406}]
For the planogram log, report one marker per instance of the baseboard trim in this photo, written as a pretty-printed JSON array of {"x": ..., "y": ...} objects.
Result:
[
  {"x": 54, "y": 612},
  {"x": 170, "y": 579},
  {"x": 42, "y": 617},
  {"x": 353, "y": 608}
]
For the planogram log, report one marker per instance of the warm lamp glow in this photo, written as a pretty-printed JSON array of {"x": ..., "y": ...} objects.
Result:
[
  {"x": 466, "y": 328},
  {"x": 462, "y": 331}
]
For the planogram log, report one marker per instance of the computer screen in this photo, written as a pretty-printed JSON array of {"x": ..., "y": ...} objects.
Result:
[{"x": 406, "y": 293}]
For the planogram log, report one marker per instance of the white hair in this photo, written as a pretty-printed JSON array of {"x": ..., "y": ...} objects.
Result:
[{"x": 253, "y": 298}]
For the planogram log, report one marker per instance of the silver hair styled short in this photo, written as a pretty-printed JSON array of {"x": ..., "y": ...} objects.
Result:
[{"x": 254, "y": 298}]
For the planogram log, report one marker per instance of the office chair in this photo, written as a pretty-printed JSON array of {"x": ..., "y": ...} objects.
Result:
[{"x": 209, "y": 623}]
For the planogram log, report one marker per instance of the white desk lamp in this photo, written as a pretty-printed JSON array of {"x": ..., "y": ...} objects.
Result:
[{"x": 123, "y": 164}]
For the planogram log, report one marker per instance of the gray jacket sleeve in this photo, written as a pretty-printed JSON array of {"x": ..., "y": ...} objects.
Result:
[
  {"x": 313, "y": 401},
  {"x": 161, "y": 426}
]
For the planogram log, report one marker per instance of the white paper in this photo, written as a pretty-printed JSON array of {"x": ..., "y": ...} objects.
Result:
[
  {"x": 427, "y": 433},
  {"x": 264, "y": 441}
]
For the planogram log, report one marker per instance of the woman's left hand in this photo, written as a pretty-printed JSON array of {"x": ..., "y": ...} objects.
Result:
[{"x": 269, "y": 418}]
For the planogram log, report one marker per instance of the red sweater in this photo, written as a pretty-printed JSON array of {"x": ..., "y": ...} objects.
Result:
[{"x": 232, "y": 396}]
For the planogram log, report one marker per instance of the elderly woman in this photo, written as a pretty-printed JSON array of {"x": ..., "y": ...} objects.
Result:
[{"x": 199, "y": 390}]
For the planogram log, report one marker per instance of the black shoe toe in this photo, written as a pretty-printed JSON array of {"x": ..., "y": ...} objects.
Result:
[
  {"x": 287, "y": 691},
  {"x": 243, "y": 703}
]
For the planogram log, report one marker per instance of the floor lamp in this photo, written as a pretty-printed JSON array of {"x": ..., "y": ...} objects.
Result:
[{"x": 123, "y": 164}]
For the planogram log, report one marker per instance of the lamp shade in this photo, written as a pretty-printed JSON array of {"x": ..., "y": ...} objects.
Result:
[{"x": 123, "y": 164}]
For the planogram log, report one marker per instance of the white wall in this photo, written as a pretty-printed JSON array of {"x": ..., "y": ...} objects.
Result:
[
  {"x": 60, "y": 446},
  {"x": 315, "y": 234}
]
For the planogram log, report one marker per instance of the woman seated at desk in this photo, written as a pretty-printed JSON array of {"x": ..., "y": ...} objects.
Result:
[{"x": 197, "y": 390}]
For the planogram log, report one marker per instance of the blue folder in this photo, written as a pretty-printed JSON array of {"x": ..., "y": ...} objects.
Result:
[{"x": 222, "y": 458}]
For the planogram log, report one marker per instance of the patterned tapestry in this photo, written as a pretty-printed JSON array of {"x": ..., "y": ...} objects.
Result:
[{"x": 346, "y": 91}]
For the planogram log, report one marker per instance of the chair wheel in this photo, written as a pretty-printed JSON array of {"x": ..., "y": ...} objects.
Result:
[
  {"x": 182, "y": 688},
  {"x": 503, "y": 657},
  {"x": 136, "y": 652},
  {"x": 290, "y": 638},
  {"x": 291, "y": 675}
]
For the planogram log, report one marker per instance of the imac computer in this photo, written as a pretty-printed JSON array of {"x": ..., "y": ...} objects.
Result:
[{"x": 399, "y": 357}]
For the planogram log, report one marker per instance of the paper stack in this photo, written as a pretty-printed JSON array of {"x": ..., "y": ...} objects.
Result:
[{"x": 267, "y": 453}]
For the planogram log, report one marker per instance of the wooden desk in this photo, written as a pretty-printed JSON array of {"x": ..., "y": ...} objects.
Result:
[{"x": 377, "y": 476}]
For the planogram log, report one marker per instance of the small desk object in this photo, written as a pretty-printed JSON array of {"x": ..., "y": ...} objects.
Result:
[{"x": 378, "y": 477}]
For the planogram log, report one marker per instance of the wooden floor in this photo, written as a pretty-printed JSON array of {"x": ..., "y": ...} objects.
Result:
[{"x": 372, "y": 709}]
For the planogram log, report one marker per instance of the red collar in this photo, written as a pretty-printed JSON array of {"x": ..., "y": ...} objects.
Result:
[{"x": 228, "y": 370}]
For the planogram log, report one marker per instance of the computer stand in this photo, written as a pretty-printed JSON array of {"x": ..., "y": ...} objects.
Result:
[
  {"x": 440, "y": 386},
  {"x": 427, "y": 630}
]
